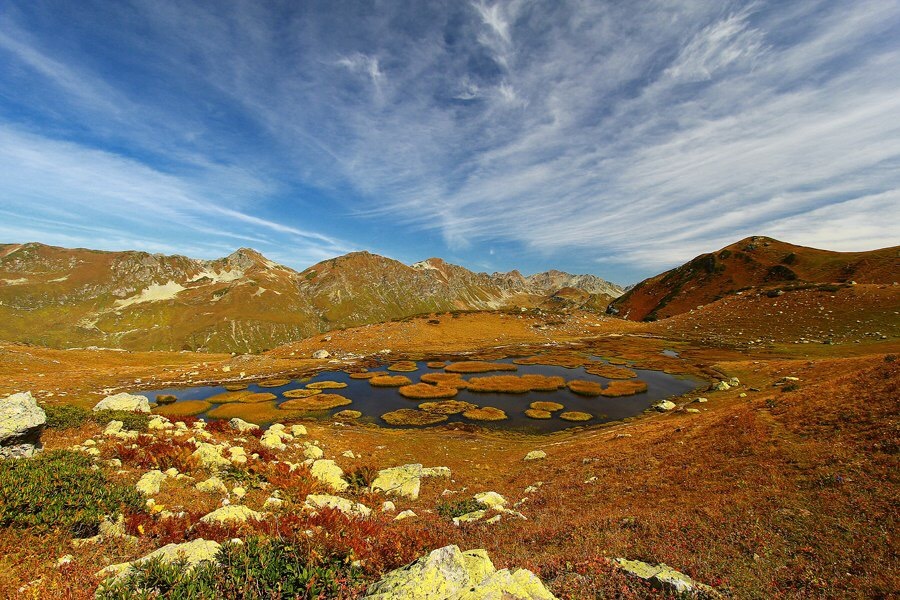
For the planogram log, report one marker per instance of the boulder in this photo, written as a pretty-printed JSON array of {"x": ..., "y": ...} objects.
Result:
[
  {"x": 190, "y": 553},
  {"x": 405, "y": 481},
  {"x": 124, "y": 401},
  {"x": 721, "y": 386},
  {"x": 470, "y": 517},
  {"x": 535, "y": 455},
  {"x": 298, "y": 430},
  {"x": 329, "y": 473},
  {"x": 159, "y": 424},
  {"x": 210, "y": 456},
  {"x": 664, "y": 406},
  {"x": 320, "y": 354},
  {"x": 406, "y": 514},
  {"x": 150, "y": 481},
  {"x": 312, "y": 452},
  {"x": 212, "y": 485},
  {"x": 448, "y": 574},
  {"x": 21, "y": 424},
  {"x": 490, "y": 499},
  {"x": 233, "y": 513},
  {"x": 664, "y": 577},
  {"x": 242, "y": 425},
  {"x": 348, "y": 507},
  {"x": 113, "y": 428}
]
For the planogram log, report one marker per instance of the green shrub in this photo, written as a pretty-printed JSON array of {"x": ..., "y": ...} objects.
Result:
[
  {"x": 67, "y": 416},
  {"x": 258, "y": 568},
  {"x": 130, "y": 420},
  {"x": 451, "y": 510},
  {"x": 59, "y": 490}
]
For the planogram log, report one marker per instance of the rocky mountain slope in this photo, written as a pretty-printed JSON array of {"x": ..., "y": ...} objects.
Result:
[
  {"x": 241, "y": 303},
  {"x": 754, "y": 262}
]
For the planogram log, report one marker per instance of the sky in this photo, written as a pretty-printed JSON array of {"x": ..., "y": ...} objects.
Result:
[{"x": 616, "y": 138}]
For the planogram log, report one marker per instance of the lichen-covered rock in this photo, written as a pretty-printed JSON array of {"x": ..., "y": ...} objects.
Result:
[
  {"x": 535, "y": 455},
  {"x": 113, "y": 428},
  {"x": 312, "y": 452},
  {"x": 490, "y": 499},
  {"x": 721, "y": 386},
  {"x": 212, "y": 485},
  {"x": 150, "y": 481},
  {"x": 272, "y": 442},
  {"x": 348, "y": 507},
  {"x": 406, "y": 480},
  {"x": 664, "y": 577},
  {"x": 448, "y": 574},
  {"x": 470, "y": 517},
  {"x": 210, "y": 456},
  {"x": 329, "y": 473},
  {"x": 159, "y": 423},
  {"x": 124, "y": 401},
  {"x": 242, "y": 426},
  {"x": 234, "y": 513},
  {"x": 190, "y": 553},
  {"x": 664, "y": 406},
  {"x": 298, "y": 430},
  {"x": 321, "y": 354},
  {"x": 21, "y": 423}
]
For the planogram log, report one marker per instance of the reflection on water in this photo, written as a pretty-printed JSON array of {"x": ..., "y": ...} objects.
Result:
[{"x": 374, "y": 401}]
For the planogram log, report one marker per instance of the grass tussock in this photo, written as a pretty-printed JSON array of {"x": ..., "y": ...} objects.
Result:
[
  {"x": 258, "y": 412},
  {"x": 301, "y": 393},
  {"x": 411, "y": 416},
  {"x": 548, "y": 406},
  {"x": 244, "y": 396},
  {"x": 514, "y": 384},
  {"x": 485, "y": 413},
  {"x": 585, "y": 388},
  {"x": 273, "y": 383},
  {"x": 326, "y": 385},
  {"x": 447, "y": 407},
  {"x": 533, "y": 413},
  {"x": 426, "y": 391},
  {"x": 317, "y": 402},
  {"x": 610, "y": 371},
  {"x": 235, "y": 387},
  {"x": 574, "y": 415},
  {"x": 616, "y": 389},
  {"x": 436, "y": 364},
  {"x": 404, "y": 366},
  {"x": 567, "y": 360},
  {"x": 346, "y": 415},
  {"x": 367, "y": 374},
  {"x": 478, "y": 366},
  {"x": 390, "y": 381},
  {"x": 445, "y": 380},
  {"x": 185, "y": 408}
]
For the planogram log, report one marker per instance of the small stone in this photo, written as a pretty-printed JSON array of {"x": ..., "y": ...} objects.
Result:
[
  {"x": 535, "y": 455},
  {"x": 406, "y": 514}
]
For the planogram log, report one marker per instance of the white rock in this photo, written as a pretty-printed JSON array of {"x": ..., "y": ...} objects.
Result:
[
  {"x": 124, "y": 401},
  {"x": 535, "y": 455}
]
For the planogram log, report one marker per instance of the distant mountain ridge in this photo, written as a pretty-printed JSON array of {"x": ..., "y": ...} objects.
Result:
[
  {"x": 244, "y": 302},
  {"x": 753, "y": 262}
]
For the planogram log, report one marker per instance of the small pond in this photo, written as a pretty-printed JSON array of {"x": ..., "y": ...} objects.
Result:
[{"x": 375, "y": 401}]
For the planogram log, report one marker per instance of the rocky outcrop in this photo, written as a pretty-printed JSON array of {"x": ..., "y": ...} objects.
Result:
[
  {"x": 124, "y": 401},
  {"x": 664, "y": 577},
  {"x": 448, "y": 574},
  {"x": 21, "y": 424}
]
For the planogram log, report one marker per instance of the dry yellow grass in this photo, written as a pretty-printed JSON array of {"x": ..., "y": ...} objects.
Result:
[
  {"x": 426, "y": 391},
  {"x": 447, "y": 407},
  {"x": 624, "y": 388},
  {"x": 411, "y": 416},
  {"x": 562, "y": 359},
  {"x": 547, "y": 406},
  {"x": 585, "y": 388},
  {"x": 390, "y": 381},
  {"x": 610, "y": 372},
  {"x": 259, "y": 412},
  {"x": 185, "y": 408},
  {"x": 478, "y": 366},
  {"x": 405, "y": 366},
  {"x": 346, "y": 415},
  {"x": 367, "y": 374},
  {"x": 575, "y": 415},
  {"x": 235, "y": 387},
  {"x": 271, "y": 383},
  {"x": 445, "y": 380},
  {"x": 300, "y": 393},
  {"x": 317, "y": 402},
  {"x": 326, "y": 385},
  {"x": 485, "y": 413},
  {"x": 244, "y": 396},
  {"x": 514, "y": 384},
  {"x": 436, "y": 364},
  {"x": 533, "y": 413}
]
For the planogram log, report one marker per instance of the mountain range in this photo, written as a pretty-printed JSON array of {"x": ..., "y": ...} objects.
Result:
[{"x": 245, "y": 302}]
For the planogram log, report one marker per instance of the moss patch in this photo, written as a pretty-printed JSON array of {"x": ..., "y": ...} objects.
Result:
[
  {"x": 259, "y": 412},
  {"x": 411, "y": 416},
  {"x": 235, "y": 387},
  {"x": 585, "y": 388},
  {"x": 514, "y": 384},
  {"x": 485, "y": 413},
  {"x": 390, "y": 381},
  {"x": 346, "y": 415},
  {"x": 436, "y": 364},
  {"x": 567, "y": 360},
  {"x": 425, "y": 391},
  {"x": 366, "y": 374},
  {"x": 317, "y": 402}
]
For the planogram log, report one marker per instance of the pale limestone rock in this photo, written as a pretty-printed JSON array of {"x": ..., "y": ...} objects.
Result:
[
  {"x": 388, "y": 506},
  {"x": 667, "y": 578},
  {"x": 232, "y": 513},
  {"x": 406, "y": 514},
  {"x": 242, "y": 425},
  {"x": 192, "y": 553},
  {"x": 348, "y": 507},
  {"x": 535, "y": 455},
  {"x": 321, "y": 354},
  {"x": 475, "y": 515},
  {"x": 21, "y": 424},
  {"x": 124, "y": 401},
  {"x": 329, "y": 473},
  {"x": 211, "y": 486},
  {"x": 298, "y": 430},
  {"x": 210, "y": 456},
  {"x": 312, "y": 451},
  {"x": 150, "y": 481},
  {"x": 664, "y": 406},
  {"x": 490, "y": 499},
  {"x": 113, "y": 428},
  {"x": 159, "y": 423}
]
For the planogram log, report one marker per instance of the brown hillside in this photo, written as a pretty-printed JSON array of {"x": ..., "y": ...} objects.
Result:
[{"x": 754, "y": 262}]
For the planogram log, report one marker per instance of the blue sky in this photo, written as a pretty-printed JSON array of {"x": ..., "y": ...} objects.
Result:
[{"x": 616, "y": 138}]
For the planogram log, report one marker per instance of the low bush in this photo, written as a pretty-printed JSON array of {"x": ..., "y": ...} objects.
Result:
[
  {"x": 361, "y": 477},
  {"x": 60, "y": 490},
  {"x": 68, "y": 416},
  {"x": 153, "y": 453}
]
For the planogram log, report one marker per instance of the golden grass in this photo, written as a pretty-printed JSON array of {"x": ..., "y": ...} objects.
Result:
[
  {"x": 346, "y": 415},
  {"x": 547, "y": 406},
  {"x": 436, "y": 364},
  {"x": 271, "y": 383},
  {"x": 478, "y": 366},
  {"x": 485, "y": 413},
  {"x": 426, "y": 391},
  {"x": 185, "y": 408},
  {"x": 259, "y": 412},
  {"x": 514, "y": 384},
  {"x": 326, "y": 385},
  {"x": 533, "y": 413},
  {"x": 300, "y": 393},
  {"x": 411, "y": 416},
  {"x": 616, "y": 389},
  {"x": 610, "y": 371},
  {"x": 317, "y": 402},
  {"x": 445, "y": 380},
  {"x": 390, "y": 381},
  {"x": 567, "y": 360},
  {"x": 406, "y": 366},
  {"x": 166, "y": 399},
  {"x": 575, "y": 415},
  {"x": 235, "y": 387},
  {"x": 585, "y": 388},
  {"x": 447, "y": 407},
  {"x": 367, "y": 374},
  {"x": 243, "y": 396}
]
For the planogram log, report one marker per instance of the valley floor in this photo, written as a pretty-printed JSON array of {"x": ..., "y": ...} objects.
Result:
[{"x": 769, "y": 491}]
